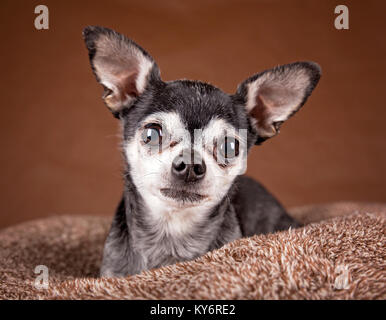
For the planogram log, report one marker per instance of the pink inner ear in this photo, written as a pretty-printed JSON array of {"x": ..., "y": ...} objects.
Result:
[
  {"x": 128, "y": 85},
  {"x": 273, "y": 103},
  {"x": 276, "y": 96},
  {"x": 261, "y": 113},
  {"x": 125, "y": 83},
  {"x": 121, "y": 73}
]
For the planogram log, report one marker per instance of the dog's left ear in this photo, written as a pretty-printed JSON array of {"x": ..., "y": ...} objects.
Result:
[
  {"x": 121, "y": 66},
  {"x": 273, "y": 96}
]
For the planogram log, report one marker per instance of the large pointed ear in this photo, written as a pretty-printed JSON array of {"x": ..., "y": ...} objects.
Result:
[
  {"x": 272, "y": 96},
  {"x": 122, "y": 67}
]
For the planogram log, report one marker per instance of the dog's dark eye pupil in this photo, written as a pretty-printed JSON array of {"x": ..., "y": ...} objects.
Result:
[
  {"x": 152, "y": 135},
  {"x": 230, "y": 148}
]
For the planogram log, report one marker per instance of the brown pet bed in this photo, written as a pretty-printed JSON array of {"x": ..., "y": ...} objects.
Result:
[{"x": 341, "y": 257}]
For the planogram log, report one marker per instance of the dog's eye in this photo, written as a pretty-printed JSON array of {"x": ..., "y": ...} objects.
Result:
[
  {"x": 152, "y": 134},
  {"x": 229, "y": 148}
]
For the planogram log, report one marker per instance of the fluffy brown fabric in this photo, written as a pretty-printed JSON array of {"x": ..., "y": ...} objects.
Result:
[{"x": 340, "y": 258}]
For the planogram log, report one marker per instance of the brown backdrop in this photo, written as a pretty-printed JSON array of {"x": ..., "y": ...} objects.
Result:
[{"x": 59, "y": 143}]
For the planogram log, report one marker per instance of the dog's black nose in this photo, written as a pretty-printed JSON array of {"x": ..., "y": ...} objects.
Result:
[{"x": 184, "y": 170}]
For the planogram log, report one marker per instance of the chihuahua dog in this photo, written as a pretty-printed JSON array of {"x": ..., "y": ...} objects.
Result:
[{"x": 185, "y": 145}]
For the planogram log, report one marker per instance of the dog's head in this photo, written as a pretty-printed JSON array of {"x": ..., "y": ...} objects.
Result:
[{"x": 186, "y": 141}]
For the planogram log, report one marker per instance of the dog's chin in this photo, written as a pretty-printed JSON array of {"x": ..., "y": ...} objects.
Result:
[{"x": 182, "y": 196}]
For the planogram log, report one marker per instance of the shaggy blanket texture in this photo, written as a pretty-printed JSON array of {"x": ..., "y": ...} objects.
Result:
[{"x": 341, "y": 257}]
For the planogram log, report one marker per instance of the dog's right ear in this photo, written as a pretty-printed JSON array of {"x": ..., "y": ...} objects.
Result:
[
  {"x": 271, "y": 97},
  {"x": 122, "y": 67}
]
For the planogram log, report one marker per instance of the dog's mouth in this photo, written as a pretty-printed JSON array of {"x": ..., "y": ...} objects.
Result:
[{"x": 182, "y": 195}]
